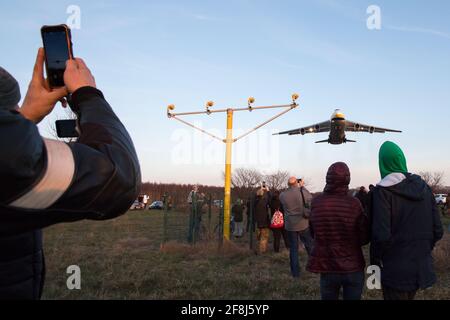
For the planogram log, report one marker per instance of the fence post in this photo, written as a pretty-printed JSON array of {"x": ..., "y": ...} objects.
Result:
[
  {"x": 209, "y": 212},
  {"x": 221, "y": 214},
  {"x": 191, "y": 219},
  {"x": 165, "y": 206},
  {"x": 250, "y": 222},
  {"x": 195, "y": 221}
]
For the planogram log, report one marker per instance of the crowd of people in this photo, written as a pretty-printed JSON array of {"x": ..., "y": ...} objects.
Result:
[{"x": 398, "y": 217}]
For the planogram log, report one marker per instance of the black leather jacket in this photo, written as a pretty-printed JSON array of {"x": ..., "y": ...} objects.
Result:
[{"x": 107, "y": 175}]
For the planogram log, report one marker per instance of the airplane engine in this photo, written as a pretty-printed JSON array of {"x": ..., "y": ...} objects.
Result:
[
  {"x": 317, "y": 127},
  {"x": 371, "y": 129},
  {"x": 302, "y": 131},
  {"x": 357, "y": 126}
]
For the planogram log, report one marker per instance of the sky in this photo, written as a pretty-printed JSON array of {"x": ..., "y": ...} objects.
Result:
[{"x": 146, "y": 55}]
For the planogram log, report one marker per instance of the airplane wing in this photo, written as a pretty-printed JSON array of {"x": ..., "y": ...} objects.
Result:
[
  {"x": 359, "y": 127},
  {"x": 315, "y": 128}
]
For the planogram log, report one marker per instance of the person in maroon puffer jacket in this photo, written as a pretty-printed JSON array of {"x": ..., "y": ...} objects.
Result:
[{"x": 339, "y": 227}]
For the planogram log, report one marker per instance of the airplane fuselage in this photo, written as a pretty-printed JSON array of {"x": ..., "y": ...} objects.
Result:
[{"x": 337, "y": 131}]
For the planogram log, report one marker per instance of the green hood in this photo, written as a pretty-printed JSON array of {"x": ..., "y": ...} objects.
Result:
[{"x": 391, "y": 159}]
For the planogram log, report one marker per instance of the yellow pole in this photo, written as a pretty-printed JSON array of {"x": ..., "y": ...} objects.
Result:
[{"x": 227, "y": 197}]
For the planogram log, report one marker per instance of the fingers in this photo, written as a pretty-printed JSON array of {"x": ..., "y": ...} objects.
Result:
[
  {"x": 38, "y": 70},
  {"x": 71, "y": 64},
  {"x": 77, "y": 63},
  {"x": 58, "y": 94},
  {"x": 81, "y": 64}
]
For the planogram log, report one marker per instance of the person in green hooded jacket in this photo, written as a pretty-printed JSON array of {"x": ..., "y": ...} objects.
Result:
[{"x": 405, "y": 226}]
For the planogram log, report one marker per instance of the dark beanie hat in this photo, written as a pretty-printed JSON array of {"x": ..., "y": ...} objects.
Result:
[{"x": 9, "y": 90}]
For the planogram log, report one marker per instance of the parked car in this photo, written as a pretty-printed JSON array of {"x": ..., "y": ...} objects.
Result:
[
  {"x": 441, "y": 198},
  {"x": 218, "y": 203},
  {"x": 156, "y": 205},
  {"x": 137, "y": 205}
]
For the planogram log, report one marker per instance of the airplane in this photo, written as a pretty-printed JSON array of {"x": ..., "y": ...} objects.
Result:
[{"x": 337, "y": 126}]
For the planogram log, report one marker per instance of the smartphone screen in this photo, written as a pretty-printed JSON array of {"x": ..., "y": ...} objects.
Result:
[
  {"x": 58, "y": 49},
  {"x": 66, "y": 128}
]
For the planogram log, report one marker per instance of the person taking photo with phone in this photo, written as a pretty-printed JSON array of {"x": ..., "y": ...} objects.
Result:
[{"x": 45, "y": 181}]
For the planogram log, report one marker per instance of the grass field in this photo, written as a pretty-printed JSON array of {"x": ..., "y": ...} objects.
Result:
[{"x": 123, "y": 259}]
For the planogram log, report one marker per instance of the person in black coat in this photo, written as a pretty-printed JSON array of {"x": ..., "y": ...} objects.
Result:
[
  {"x": 46, "y": 181},
  {"x": 262, "y": 220},
  {"x": 22, "y": 269},
  {"x": 238, "y": 218},
  {"x": 405, "y": 227}
]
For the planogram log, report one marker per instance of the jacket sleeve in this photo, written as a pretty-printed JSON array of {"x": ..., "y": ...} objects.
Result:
[
  {"x": 308, "y": 197},
  {"x": 438, "y": 230},
  {"x": 107, "y": 174},
  {"x": 311, "y": 220},
  {"x": 381, "y": 225}
]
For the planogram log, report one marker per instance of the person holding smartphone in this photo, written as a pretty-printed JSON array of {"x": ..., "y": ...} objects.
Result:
[{"x": 45, "y": 181}]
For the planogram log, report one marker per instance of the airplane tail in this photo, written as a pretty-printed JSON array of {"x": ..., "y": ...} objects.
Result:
[{"x": 323, "y": 141}]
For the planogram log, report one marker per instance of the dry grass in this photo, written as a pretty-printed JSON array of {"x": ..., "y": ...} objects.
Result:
[
  {"x": 441, "y": 254},
  {"x": 124, "y": 259}
]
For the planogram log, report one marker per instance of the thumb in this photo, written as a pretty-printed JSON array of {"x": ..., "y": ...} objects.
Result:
[{"x": 58, "y": 93}]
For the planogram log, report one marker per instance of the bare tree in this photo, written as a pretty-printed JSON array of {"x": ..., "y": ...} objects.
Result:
[
  {"x": 246, "y": 178},
  {"x": 433, "y": 179},
  {"x": 277, "y": 180}
]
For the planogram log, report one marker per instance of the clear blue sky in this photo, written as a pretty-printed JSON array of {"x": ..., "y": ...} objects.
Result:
[{"x": 147, "y": 54}]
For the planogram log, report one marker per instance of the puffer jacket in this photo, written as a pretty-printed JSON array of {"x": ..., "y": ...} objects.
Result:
[
  {"x": 405, "y": 227},
  {"x": 338, "y": 225},
  {"x": 105, "y": 182}
]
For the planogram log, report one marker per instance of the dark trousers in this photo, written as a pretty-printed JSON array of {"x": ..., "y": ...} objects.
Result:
[
  {"x": 393, "y": 294},
  {"x": 277, "y": 234},
  {"x": 352, "y": 285},
  {"x": 304, "y": 237}
]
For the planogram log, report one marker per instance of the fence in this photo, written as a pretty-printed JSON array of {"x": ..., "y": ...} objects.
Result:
[{"x": 201, "y": 221}]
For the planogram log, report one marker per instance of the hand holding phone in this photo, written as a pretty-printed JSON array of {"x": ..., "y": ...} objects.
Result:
[
  {"x": 40, "y": 100},
  {"x": 78, "y": 75}
]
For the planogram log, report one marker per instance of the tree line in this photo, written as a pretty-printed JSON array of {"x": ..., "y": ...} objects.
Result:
[{"x": 245, "y": 180}]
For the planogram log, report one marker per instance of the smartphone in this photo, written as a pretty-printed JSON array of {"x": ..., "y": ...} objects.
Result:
[
  {"x": 57, "y": 42},
  {"x": 66, "y": 128}
]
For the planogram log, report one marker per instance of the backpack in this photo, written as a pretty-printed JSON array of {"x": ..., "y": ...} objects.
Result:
[{"x": 277, "y": 220}]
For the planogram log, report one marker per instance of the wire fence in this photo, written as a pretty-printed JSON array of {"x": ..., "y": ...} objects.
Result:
[{"x": 202, "y": 221}]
